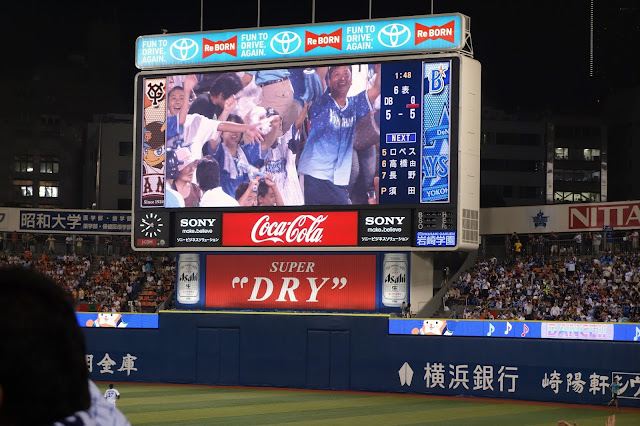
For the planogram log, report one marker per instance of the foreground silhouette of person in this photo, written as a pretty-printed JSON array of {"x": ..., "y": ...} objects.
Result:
[{"x": 43, "y": 371}]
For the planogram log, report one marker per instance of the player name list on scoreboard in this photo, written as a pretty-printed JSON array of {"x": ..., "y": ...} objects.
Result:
[{"x": 400, "y": 132}]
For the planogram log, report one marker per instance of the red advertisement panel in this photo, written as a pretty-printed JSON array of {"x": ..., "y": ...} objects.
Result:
[
  {"x": 624, "y": 215},
  {"x": 290, "y": 229},
  {"x": 283, "y": 281}
]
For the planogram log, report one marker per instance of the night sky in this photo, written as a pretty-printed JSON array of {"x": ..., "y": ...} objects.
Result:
[{"x": 534, "y": 55}]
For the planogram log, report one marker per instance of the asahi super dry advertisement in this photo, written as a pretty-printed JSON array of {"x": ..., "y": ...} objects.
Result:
[{"x": 333, "y": 282}]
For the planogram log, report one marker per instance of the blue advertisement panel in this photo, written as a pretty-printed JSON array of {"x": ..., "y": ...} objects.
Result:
[
  {"x": 399, "y": 35},
  {"x": 81, "y": 221},
  {"x": 436, "y": 239},
  {"x": 116, "y": 320},
  {"x": 206, "y": 348},
  {"x": 515, "y": 380},
  {"x": 603, "y": 331}
]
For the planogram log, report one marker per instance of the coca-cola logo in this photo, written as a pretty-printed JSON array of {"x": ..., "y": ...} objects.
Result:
[
  {"x": 290, "y": 229},
  {"x": 303, "y": 229}
]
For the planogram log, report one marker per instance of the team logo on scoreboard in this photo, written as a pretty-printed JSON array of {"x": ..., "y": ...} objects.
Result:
[
  {"x": 285, "y": 42},
  {"x": 184, "y": 49},
  {"x": 226, "y": 46},
  {"x": 323, "y": 40},
  {"x": 438, "y": 78},
  {"x": 155, "y": 92},
  {"x": 444, "y": 32},
  {"x": 394, "y": 35}
]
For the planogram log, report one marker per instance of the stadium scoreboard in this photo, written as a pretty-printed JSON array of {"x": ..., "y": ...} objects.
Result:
[{"x": 412, "y": 157}]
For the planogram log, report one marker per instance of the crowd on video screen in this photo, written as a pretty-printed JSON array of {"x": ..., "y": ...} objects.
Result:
[{"x": 279, "y": 137}]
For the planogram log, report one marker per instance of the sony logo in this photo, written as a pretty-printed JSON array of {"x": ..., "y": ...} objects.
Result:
[
  {"x": 384, "y": 220},
  {"x": 196, "y": 222}
]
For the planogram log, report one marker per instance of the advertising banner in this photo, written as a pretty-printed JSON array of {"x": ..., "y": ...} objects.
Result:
[
  {"x": 560, "y": 218},
  {"x": 116, "y": 320},
  {"x": 517, "y": 329},
  {"x": 395, "y": 147},
  {"x": 384, "y": 228},
  {"x": 197, "y": 229},
  {"x": 389, "y": 36},
  {"x": 290, "y": 229},
  {"x": 69, "y": 221},
  {"x": 299, "y": 282},
  {"x": 597, "y": 217}
]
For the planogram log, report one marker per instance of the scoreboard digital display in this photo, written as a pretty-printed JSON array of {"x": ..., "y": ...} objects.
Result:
[
  {"x": 337, "y": 144},
  {"x": 374, "y": 142},
  {"x": 304, "y": 137}
]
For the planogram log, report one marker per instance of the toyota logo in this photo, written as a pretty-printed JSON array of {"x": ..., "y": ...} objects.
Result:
[
  {"x": 184, "y": 49},
  {"x": 286, "y": 42},
  {"x": 394, "y": 35}
]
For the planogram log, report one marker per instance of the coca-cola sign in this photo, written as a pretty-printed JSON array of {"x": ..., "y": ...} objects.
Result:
[
  {"x": 300, "y": 282},
  {"x": 290, "y": 229}
]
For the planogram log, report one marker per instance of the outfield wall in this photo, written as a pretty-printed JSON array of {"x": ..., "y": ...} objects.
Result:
[{"x": 356, "y": 353}]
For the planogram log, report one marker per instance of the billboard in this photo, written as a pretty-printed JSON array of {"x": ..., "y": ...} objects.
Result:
[
  {"x": 386, "y": 36},
  {"x": 323, "y": 282},
  {"x": 601, "y": 331},
  {"x": 117, "y": 320},
  {"x": 588, "y": 217},
  {"x": 361, "y": 137},
  {"x": 298, "y": 282},
  {"x": 356, "y": 138},
  {"x": 65, "y": 221}
]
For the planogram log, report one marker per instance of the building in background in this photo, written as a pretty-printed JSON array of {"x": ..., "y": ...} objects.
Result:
[
  {"x": 578, "y": 147},
  {"x": 542, "y": 160},
  {"x": 109, "y": 156},
  {"x": 512, "y": 159},
  {"x": 42, "y": 143}
]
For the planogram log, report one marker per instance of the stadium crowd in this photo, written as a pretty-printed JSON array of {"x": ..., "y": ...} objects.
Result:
[
  {"x": 548, "y": 284},
  {"x": 136, "y": 282},
  {"x": 592, "y": 288}
]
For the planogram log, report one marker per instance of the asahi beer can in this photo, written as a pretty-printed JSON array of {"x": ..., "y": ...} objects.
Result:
[
  {"x": 394, "y": 279},
  {"x": 188, "y": 286}
]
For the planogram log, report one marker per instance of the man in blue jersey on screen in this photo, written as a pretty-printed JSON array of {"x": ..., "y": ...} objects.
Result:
[{"x": 325, "y": 162}]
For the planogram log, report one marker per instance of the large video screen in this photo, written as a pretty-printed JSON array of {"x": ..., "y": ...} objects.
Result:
[{"x": 343, "y": 134}]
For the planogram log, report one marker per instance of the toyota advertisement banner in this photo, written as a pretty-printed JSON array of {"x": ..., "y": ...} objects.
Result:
[{"x": 387, "y": 36}]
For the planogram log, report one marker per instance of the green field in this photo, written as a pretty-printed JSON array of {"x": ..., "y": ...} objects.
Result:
[{"x": 202, "y": 405}]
